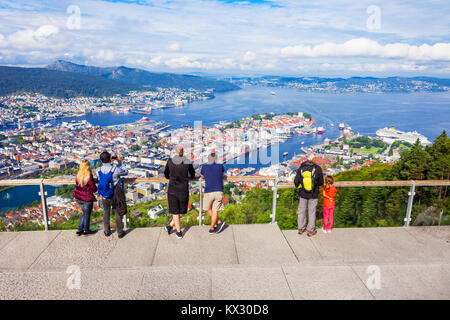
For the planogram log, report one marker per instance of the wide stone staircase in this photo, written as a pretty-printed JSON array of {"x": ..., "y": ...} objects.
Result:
[{"x": 242, "y": 262}]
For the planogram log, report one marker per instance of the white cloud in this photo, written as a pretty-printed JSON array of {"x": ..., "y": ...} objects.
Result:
[
  {"x": 105, "y": 56},
  {"x": 249, "y": 56},
  {"x": 3, "y": 42},
  {"x": 363, "y": 47},
  {"x": 45, "y": 37},
  {"x": 365, "y": 67}
]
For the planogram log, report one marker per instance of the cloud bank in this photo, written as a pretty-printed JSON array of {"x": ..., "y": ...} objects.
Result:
[{"x": 232, "y": 37}]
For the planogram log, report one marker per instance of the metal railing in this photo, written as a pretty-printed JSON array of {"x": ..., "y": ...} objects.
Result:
[{"x": 276, "y": 185}]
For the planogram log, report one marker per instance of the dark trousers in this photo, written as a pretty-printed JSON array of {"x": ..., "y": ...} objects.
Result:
[
  {"x": 106, "y": 203},
  {"x": 86, "y": 208}
]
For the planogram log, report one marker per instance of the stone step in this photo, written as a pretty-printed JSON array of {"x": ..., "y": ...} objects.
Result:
[{"x": 293, "y": 281}]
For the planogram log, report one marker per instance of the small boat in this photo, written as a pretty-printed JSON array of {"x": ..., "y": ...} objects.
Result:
[{"x": 285, "y": 153}]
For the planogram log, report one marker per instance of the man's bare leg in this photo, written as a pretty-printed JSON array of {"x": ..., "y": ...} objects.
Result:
[
  {"x": 214, "y": 218},
  {"x": 176, "y": 220}
]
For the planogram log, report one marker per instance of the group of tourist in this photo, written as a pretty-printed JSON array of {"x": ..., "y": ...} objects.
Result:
[{"x": 179, "y": 171}]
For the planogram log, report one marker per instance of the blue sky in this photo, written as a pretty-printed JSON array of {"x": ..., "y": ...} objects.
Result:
[{"x": 254, "y": 37}]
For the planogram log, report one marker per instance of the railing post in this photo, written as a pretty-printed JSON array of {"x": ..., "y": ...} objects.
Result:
[
  {"x": 125, "y": 218},
  {"x": 43, "y": 195},
  {"x": 411, "y": 194},
  {"x": 274, "y": 200},
  {"x": 200, "y": 217}
]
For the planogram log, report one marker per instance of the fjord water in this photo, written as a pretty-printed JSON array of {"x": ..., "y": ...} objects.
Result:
[{"x": 427, "y": 113}]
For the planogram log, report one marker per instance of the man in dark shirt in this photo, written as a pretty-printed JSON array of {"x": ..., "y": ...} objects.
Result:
[
  {"x": 213, "y": 173},
  {"x": 308, "y": 198},
  {"x": 178, "y": 170}
]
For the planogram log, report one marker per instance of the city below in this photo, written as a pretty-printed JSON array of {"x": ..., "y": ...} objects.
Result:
[{"x": 49, "y": 150}]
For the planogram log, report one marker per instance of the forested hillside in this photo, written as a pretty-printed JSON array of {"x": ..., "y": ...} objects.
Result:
[
  {"x": 59, "y": 83},
  {"x": 362, "y": 207}
]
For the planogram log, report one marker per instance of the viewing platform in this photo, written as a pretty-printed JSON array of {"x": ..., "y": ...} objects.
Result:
[{"x": 257, "y": 261}]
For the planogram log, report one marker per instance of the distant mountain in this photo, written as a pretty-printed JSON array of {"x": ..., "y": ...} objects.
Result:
[
  {"x": 353, "y": 84},
  {"x": 59, "y": 83},
  {"x": 146, "y": 78}
]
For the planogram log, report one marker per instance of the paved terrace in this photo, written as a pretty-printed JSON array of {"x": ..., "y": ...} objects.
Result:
[{"x": 243, "y": 262}]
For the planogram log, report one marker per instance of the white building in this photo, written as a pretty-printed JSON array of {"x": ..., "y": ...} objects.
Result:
[{"x": 156, "y": 212}]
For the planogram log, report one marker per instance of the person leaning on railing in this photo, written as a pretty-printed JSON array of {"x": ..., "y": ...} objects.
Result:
[
  {"x": 178, "y": 170},
  {"x": 213, "y": 173},
  {"x": 110, "y": 188},
  {"x": 308, "y": 180}
]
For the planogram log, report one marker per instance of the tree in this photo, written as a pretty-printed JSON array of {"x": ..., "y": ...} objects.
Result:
[
  {"x": 414, "y": 164},
  {"x": 440, "y": 161},
  {"x": 135, "y": 147}
]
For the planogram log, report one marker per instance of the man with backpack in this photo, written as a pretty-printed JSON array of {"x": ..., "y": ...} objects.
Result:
[
  {"x": 308, "y": 180},
  {"x": 110, "y": 187}
]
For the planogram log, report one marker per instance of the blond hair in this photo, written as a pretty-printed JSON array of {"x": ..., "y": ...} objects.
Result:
[
  {"x": 84, "y": 173},
  {"x": 328, "y": 182}
]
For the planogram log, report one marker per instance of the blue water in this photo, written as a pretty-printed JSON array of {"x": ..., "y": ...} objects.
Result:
[{"x": 427, "y": 113}]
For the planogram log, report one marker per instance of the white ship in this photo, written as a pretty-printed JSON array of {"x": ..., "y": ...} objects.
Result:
[
  {"x": 320, "y": 130},
  {"x": 390, "y": 135},
  {"x": 341, "y": 126}
]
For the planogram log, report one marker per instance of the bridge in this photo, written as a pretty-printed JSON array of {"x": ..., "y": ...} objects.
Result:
[{"x": 242, "y": 262}]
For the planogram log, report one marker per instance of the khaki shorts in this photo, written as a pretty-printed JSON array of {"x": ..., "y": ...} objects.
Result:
[{"x": 213, "y": 201}]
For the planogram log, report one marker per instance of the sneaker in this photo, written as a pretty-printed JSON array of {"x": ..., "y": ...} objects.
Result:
[
  {"x": 213, "y": 231},
  {"x": 107, "y": 233},
  {"x": 179, "y": 235},
  {"x": 324, "y": 231},
  {"x": 122, "y": 234},
  {"x": 220, "y": 226},
  {"x": 300, "y": 231},
  {"x": 310, "y": 234},
  {"x": 329, "y": 231},
  {"x": 168, "y": 229},
  {"x": 87, "y": 232},
  {"x": 79, "y": 232}
]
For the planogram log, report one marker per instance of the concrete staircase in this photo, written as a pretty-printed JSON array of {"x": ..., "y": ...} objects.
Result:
[{"x": 242, "y": 262}]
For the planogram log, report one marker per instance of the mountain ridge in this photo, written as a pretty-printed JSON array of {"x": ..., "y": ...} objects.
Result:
[{"x": 146, "y": 78}]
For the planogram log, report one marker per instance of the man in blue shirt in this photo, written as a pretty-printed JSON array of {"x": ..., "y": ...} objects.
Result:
[{"x": 213, "y": 173}]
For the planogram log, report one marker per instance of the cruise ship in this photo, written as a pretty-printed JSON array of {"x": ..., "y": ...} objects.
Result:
[{"x": 390, "y": 135}]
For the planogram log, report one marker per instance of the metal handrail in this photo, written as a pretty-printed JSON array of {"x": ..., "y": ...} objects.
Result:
[
  {"x": 276, "y": 185},
  {"x": 395, "y": 183}
]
